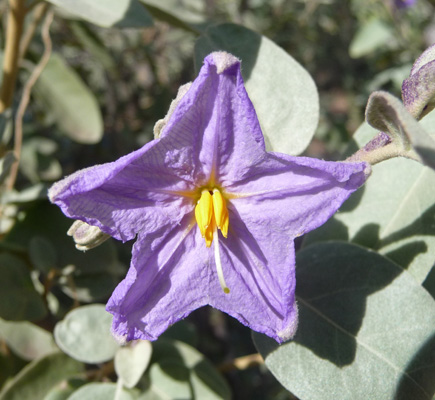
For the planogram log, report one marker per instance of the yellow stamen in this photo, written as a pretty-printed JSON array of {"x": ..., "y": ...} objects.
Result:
[
  {"x": 220, "y": 210},
  {"x": 211, "y": 212},
  {"x": 206, "y": 208},
  {"x": 199, "y": 219}
]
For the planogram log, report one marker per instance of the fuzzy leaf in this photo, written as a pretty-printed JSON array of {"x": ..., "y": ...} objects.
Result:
[
  {"x": 27, "y": 340},
  {"x": 205, "y": 381},
  {"x": 393, "y": 212},
  {"x": 107, "y": 13},
  {"x": 366, "y": 330},
  {"x": 18, "y": 297},
  {"x": 100, "y": 391},
  {"x": 73, "y": 105},
  {"x": 186, "y": 14},
  {"x": 372, "y": 36},
  {"x": 131, "y": 361},
  {"x": 36, "y": 379},
  {"x": 85, "y": 335}
]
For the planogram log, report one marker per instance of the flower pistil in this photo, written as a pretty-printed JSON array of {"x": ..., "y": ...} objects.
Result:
[{"x": 211, "y": 214}]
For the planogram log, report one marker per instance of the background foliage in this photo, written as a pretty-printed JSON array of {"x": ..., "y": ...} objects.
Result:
[{"x": 366, "y": 279}]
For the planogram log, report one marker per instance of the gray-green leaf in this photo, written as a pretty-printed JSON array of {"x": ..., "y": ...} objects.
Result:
[
  {"x": 42, "y": 254},
  {"x": 107, "y": 13},
  {"x": 27, "y": 340},
  {"x": 100, "y": 391},
  {"x": 85, "y": 335},
  {"x": 18, "y": 297},
  {"x": 72, "y": 104},
  {"x": 131, "y": 361},
  {"x": 283, "y": 93},
  {"x": 36, "y": 379},
  {"x": 180, "y": 358},
  {"x": 393, "y": 213},
  {"x": 366, "y": 330},
  {"x": 185, "y": 14},
  {"x": 372, "y": 36}
]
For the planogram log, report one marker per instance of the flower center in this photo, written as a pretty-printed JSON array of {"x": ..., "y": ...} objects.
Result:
[{"x": 211, "y": 214}]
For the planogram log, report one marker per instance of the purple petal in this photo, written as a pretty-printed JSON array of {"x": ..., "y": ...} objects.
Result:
[
  {"x": 167, "y": 280},
  {"x": 180, "y": 276},
  {"x": 259, "y": 268},
  {"x": 129, "y": 195},
  {"x": 295, "y": 194},
  {"x": 218, "y": 121}
]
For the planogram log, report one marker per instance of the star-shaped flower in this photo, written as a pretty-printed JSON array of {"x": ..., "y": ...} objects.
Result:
[{"x": 215, "y": 215}]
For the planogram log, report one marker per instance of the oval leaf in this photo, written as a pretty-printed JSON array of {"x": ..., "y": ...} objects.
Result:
[
  {"x": 42, "y": 254},
  {"x": 132, "y": 360},
  {"x": 283, "y": 93},
  {"x": 370, "y": 37},
  {"x": 171, "y": 378},
  {"x": 85, "y": 335},
  {"x": 36, "y": 379},
  {"x": 185, "y": 14},
  {"x": 366, "y": 330},
  {"x": 18, "y": 297},
  {"x": 100, "y": 391},
  {"x": 205, "y": 381},
  {"x": 393, "y": 213},
  {"x": 89, "y": 276},
  {"x": 27, "y": 340},
  {"x": 106, "y": 13},
  {"x": 72, "y": 104}
]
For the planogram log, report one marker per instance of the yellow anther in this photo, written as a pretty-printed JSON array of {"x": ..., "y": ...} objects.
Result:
[
  {"x": 219, "y": 207},
  {"x": 211, "y": 212},
  {"x": 198, "y": 219},
  {"x": 225, "y": 224},
  {"x": 206, "y": 208},
  {"x": 208, "y": 236}
]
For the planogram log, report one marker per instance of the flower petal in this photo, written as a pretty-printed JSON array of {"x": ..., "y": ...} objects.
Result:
[
  {"x": 167, "y": 280},
  {"x": 295, "y": 194},
  {"x": 218, "y": 118},
  {"x": 133, "y": 194},
  {"x": 259, "y": 269}
]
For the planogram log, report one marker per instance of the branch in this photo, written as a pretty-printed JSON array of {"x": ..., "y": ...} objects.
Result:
[
  {"x": 16, "y": 15},
  {"x": 38, "y": 14},
  {"x": 242, "y": 363},
  {"x": 26, "y": 96}
]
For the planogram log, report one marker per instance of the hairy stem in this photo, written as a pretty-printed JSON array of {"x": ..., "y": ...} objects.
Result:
[
  {"x": 377, "y": 155},
  {"x": 15, "y": 20}
]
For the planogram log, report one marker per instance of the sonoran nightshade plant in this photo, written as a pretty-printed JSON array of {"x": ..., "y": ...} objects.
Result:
[{"x": 215, "y": 215}]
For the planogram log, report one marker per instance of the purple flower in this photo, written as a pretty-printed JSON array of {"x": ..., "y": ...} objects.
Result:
[
  {"x": 215, "y": 215},
  {"x": 404, "y": 3}
]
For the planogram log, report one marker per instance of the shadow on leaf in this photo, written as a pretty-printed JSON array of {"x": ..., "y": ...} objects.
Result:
[{"x": 419, "y": 373}]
